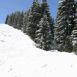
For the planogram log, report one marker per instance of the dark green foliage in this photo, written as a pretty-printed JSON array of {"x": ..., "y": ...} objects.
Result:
[
  {"x": 43, "y": 34},
  {"x": 64, "y": 23},
  {"x": 15, "y": 19},
  {"x": 75, "y": 48},
  {"x": 33, "y": 18},
  {"x": 25, "y": 16},
  {"x": 9, "y": 22},
  {"x": 74, "y": 34},
  {"x": 74, "y": 37},
  {"x": 44, "y": 8},
  {"x": 20, "y": 20},
  {"x": 68, "y": 44}
]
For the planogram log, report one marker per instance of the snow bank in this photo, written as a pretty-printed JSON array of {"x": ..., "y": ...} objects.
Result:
[{"x": 20, "y": 58}]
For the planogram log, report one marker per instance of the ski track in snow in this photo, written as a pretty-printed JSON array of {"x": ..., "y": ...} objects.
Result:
[{"x": 20, "y": 58}]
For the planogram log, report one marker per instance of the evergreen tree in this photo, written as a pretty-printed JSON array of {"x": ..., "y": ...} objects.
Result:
[
  {"x": 12, "y": 21},
  {"x": 51, "y": 21},
  {"x": 68, "y": 44},
  {"x": 15, "y": 20},
  {"x": 74, "y": 33},
  {"x": 9, "y": 22},
  {"x": 20, "y": 20},
  {"x": 44, "y": 8},
  {"x": 25, "y": 20},
  {"x": 65, "y": 22},
  {"x": 43, "y": 34},
  {"x": 33, "y": 18}
]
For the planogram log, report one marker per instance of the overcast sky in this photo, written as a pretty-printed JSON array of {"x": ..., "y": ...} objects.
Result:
[{"x": 9, "y": 6}]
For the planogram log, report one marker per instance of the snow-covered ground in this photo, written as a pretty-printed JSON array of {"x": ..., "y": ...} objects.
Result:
[{"x": 20, "y": 58}]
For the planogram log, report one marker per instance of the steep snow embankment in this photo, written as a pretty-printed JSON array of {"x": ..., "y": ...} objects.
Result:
[{"x": 19, "y": 58}]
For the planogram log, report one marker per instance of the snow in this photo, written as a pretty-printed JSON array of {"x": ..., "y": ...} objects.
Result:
[
  {"x": 61, "y": 1},
  {"x": 20, "y": 58}
]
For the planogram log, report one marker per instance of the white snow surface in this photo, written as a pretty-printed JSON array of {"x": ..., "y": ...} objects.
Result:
[{"x": 20, "y": 58}]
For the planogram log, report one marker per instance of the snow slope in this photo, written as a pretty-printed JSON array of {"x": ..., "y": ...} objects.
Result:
[{"x": 20, "y": 58}]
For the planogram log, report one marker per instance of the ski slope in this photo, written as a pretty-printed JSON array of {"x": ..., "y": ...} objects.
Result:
[{"x": 20, "y": 58}]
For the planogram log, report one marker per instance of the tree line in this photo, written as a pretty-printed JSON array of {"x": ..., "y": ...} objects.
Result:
[{"x": 40, "y": 26}]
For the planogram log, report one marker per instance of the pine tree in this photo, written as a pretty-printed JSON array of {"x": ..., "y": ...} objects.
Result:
[
  {"x": 43, "y": 34},
  {"x": 9, "y": 22},
  {"x": 16, "y": 14},
  {"x": 51, "y": 21},
  {"x": 12, "y": 19},
  {"x": 15, "y": 20},
  {"x": 33, "y": 18},
  {"x": 25, "y": 20},
  {"x": 68, "y": 44},
  {"x": 20, "y": 20},
  {"x": 65, "y": 22},
  {"x": 44, "y": 8},
  {"x": 74, "y": 34}
]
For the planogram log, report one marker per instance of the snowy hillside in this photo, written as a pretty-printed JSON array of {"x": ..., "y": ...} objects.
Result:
[{"x": 20, "y": 58}]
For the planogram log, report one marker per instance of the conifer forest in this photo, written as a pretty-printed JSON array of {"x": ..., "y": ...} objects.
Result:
[{"x": 48, "y": 34}]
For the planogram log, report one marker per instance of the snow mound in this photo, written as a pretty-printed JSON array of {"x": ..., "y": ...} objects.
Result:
[{"x": 20, "y": 58}]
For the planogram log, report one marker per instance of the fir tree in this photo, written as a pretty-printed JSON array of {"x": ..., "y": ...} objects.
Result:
[
  {"x": 33, "y": 18},
  {"x": 9, "y": 22},
  {"x": 25, "y": 20},
  {"x": 44, "y": 8},
  {"x": 68, "y": 44},
  {"x": 20, "y": 20},
  {"x": 65, "y": 22},
  {"x": 16, "y": 14},
  {"x": 43, "y": 34},
  {"x": 74, "y": 34},
  {"x": 12, "y": 19}
]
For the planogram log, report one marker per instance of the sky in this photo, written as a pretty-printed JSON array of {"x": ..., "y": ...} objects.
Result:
[{"x": 10, "y": 6}]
